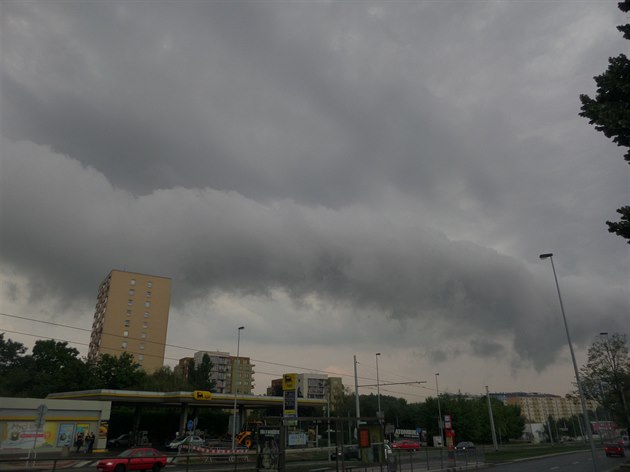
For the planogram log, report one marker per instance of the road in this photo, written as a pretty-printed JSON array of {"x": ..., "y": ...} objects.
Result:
[
  {"x": 575, "y": 462},
  {"x": 572, "y": 462}
]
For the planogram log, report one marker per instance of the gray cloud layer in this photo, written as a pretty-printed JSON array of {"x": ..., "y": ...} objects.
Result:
[{"x": 406, "y": 160}]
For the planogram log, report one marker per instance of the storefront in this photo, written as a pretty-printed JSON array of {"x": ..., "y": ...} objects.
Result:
[{"x": 51, "y": 425}]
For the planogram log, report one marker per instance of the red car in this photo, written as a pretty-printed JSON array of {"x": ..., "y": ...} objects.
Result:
[
  {"x": 614, "y": 449},
  {"x": 137, "y": 458},
  {"x": 406, "y": 444}
]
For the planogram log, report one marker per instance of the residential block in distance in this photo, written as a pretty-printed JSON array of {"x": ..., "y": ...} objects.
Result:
[{"x": 228, "y": 372}]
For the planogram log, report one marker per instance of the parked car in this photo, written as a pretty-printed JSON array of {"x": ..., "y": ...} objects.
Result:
[
  {"x": 137, "y": 458},
  {"x": 615, "y": 449},
  {"x": 186, "y": 441},
  {"x": 120, "y": 441},
  {"x": 346, "y": 452},
  {"x": 465, "y": 446},
  {"x": 406, "y": 444}
]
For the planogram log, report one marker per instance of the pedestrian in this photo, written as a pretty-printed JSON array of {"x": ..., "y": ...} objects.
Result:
[
  {"x": 78, "y": 442},
  {"x": 90, "y": 443}
]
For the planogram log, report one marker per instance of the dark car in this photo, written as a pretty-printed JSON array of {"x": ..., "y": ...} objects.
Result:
[
  {"x": 406, "y": 444},
  {"x": 346, "y": 453},
  {"x": 465, "y": 446},
  {"x": 615, "y": 449},
  {"x": 137, "y": 458},
  {"x": 120, "y": 441}
]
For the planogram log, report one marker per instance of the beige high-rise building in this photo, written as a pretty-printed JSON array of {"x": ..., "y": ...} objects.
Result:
[
  {"x": 132, "y": 316},
  {"x": 537, "y": 407},
  {"x": 241, "y": 376}
]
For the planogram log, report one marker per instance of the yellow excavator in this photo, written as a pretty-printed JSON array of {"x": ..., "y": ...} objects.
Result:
[{"x": 247, "y": 435}]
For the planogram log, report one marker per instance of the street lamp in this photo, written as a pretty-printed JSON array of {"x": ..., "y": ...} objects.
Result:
[
  {"x": 437, "y": 389},
  {"x": 236, "y": 361},
  {"x": 378, "y": 389},
  {"x": 575, "y": 367}
]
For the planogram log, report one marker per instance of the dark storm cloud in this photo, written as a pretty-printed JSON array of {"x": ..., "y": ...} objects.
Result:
[
  {"x": 406, "y": 160},
  {"x": 217, "y": 242},
  {"x": 252, "y": 89}
]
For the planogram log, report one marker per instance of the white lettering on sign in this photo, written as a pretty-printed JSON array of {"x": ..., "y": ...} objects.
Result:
[
  {"x": 410, "y": 433},
  {"x": 269, "y": 432}
]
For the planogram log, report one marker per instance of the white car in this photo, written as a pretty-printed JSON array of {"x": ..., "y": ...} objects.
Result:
[{"x": 186, "y": 441}]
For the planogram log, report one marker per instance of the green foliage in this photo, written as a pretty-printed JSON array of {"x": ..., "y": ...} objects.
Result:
[
  {"x": 625, "y": 29},
  {"x": 164, "y": 380},
  {"x": 53, "y": 367},
  {"x": 606, "y": 375},
  {"x": 471, "y": 420},
  {"x": 622, "y": 227},
  {"x": 10, "y": 353},
  {"x": 609, "y": 111},
  {"x": 199, "y": 375},
  {"x": 118, "y": 373}
]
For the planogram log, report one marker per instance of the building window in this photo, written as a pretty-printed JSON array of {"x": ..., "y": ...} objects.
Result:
[
  {"x": 125, "y": 333},
  {"x": 123, "y": 345},
  {"x": 146, "y": 314},
  {"x": 132, "y": 292},
  {"x": 149, "y": 284},
  {"x": 145, "y": 324},
  {"x": 143, "y": 335},
  {"x": 132, "y": 282},
  {"x": 128, "y": 312},
  {"x": 127, "y": 322},
  {"x": 148, "y": 294},
  {"x": 129, "y": 302},
  {"x": 141, "y": 346},
  {"x": 147, "y": 304},
  {"x": 140, "y": 358}
]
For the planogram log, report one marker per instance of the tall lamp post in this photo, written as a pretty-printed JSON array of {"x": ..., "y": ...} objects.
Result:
[
  {"x": 437, "y": 389},
  {"x": 378, "y": 390},
  {"x": 575, "y": 367},
  {"x": 234, "y": 387}
]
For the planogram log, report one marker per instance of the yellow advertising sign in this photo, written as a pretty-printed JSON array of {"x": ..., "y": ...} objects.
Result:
[
  {"x": 289, "y": 382},
  {"x": 202, "y": 395}
]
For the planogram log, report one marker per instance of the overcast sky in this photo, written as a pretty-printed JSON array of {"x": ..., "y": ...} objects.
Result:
[{"x": 340, "y": 177}]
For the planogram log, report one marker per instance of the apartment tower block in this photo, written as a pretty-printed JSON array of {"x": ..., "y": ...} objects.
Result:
[{"x": 132, "y": 316}]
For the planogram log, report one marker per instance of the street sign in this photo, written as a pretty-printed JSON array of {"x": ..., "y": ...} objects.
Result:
[
  {"x": 289, "y": 382},
  {"x": 190, "y": 425},
  {"x": 290, "y": 403}
]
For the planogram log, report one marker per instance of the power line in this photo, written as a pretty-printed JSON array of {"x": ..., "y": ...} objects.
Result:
[
  {"x": 279, "y": 374},
  {"x": 61, "y": 325}
]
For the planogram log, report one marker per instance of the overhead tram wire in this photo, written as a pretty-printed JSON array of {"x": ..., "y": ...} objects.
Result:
[
  {"x": 173, "y": 346},
  {"x": 336, "y": 374},
  {"x": 279, "y": 374},
  {"x": 271, "y": 374},
  {"x": 413, "y": 384}
]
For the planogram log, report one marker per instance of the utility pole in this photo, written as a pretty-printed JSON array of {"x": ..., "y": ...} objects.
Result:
[
  {"x": 356, "y": 390},
  {"x": 494, "y": 434}
]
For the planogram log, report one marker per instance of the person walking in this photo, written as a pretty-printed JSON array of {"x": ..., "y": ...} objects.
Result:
[
  {"x": 90, "y": 442},
  {"x": 78, "y": 442}
]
